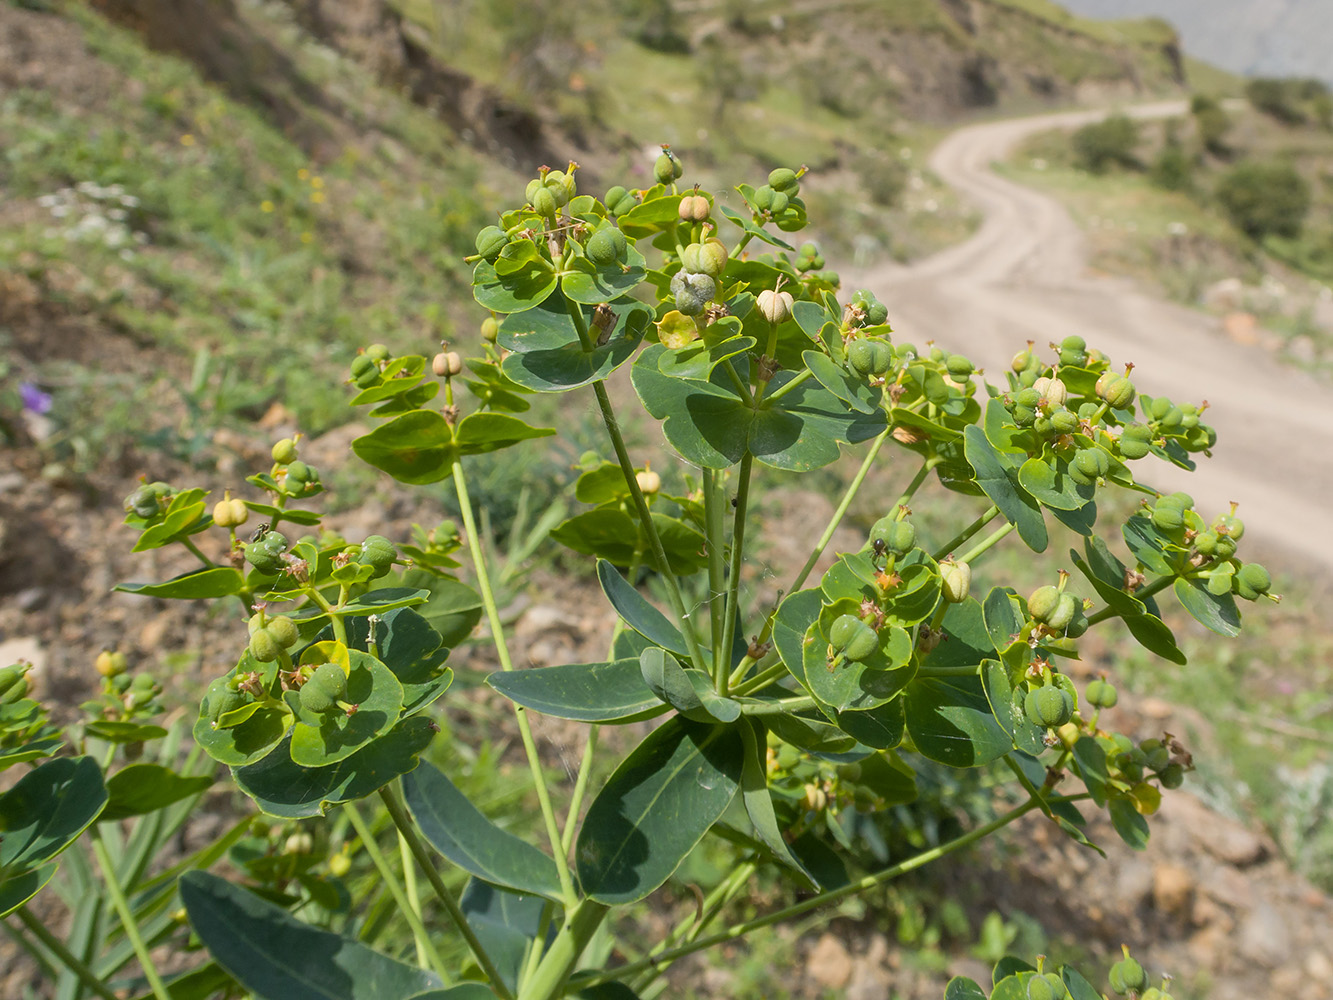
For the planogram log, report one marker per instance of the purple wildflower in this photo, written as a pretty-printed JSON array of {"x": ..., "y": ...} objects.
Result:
[{"x": 34, "y": 400}]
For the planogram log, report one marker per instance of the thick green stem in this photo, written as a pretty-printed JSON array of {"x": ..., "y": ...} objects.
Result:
[
  {"x": 580, "y": 787},
  {"x": 557, "y": 965},
  {"x": 761, "y": 680},
  {"x": 53, "y": 944},
  {"x": 782, "y": 706},
  {"x": 737, "y": 557},
  {"x": 715, "y": 528},
  {"x": 424, "y": 946},
  {"x": 986, "y": 543},
  {"x": 520, "y": 713},
  {"x": 814, "y": 902},
  {"x": 398, "y": 813},
  {"x": 127, "y": 921},
  {"x": 967, "y": 671},
  {"x": 986, "y": 517}
]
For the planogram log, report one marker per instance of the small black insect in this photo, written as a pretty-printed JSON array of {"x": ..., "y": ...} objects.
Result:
[{"x": 260, "y": 531}]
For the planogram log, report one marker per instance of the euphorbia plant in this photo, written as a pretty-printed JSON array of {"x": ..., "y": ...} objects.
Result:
[{"x": 772, "y": 726}]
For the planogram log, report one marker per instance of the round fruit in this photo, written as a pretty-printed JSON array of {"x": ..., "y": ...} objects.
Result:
[
  {"x": 607, "y": 246},
  {"x": 959, "y": 367},
  {"x": 853, "y": 638},
  {"x": 692, "y": 292},
  {"x": 667, "y": 168},
  {"x": 784, "y": 179},
  {"x": 1051, "y": 392},
  {"x": 897, "y": 537},
  {"x": 230, "y": 513},
  {"x": 379, "y": 553},
  {"x": 490, "y": 241},
  {"x": 1048, "y": 706},
  {"x": 775, "y": 306},
  {"x": 544, "y": 203},
  {"x": 1167, "y": 518},
  {"x": 490, "y": 329},
  {"x": 447, "y": 364},
  {"x": 284, "y": 632},
  {"x": 1043, "y": 602},
  {"x": 1064, "y": 422},
  {"x": 263, "y": 646},
  {"x": 956, "y": 578},
  {"x": 1252, "y": 581},
  {"x": 709, "y": 257},
  {"x": 1130, "y": 973},
  {"x": 1172, "y": 776},
  {"x": 1115, "y": 389},
  {"x": 763, "y": 197},
  {"x": 1101, "y": 694},
  {"x": 649, "y": 482},
  {"x": 694, "y": 208}
]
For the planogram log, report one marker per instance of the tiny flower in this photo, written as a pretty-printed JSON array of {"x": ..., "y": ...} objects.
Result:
[
  {"x": 187, "y": 139},
  {"x": 266, "y": 206},
  {"x": 34, "y": 400}
]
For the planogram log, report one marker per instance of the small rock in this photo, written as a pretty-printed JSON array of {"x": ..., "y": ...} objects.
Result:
[
  {"x": 1172, "y": 889},
  {"x": 1263, "y": 937},
  {"x": 1318, "y": 967},
  {"x": 549, "y": 618},
  {"x": 1241, "y": 327},
  {"x": 1156, "y": 708},
  {"x": 25, "y": 648},
  {"x": 829, "y": 963},
  {"x": 31, "y": 598}
]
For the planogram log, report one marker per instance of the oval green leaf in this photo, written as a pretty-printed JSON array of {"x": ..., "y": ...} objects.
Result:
[
  {"x": 459, "y": 831},
  {"x": 274, "y": 955},
  {"x": 585, "y": 692},
  {"x": 656, "y": 807}
]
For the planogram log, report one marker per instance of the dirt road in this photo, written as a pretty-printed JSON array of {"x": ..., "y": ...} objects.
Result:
[{"x": 1023, "y": 277}]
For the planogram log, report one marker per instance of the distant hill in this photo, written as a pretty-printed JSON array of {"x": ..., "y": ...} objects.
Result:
[{"x": 1254, "y": 37}]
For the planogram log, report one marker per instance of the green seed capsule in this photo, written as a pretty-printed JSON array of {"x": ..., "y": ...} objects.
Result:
[
  {"x": 853, "y": 638},
  {"x": 784, "y": 179},
  {"x": 893, "y": 535},
  {"x": 263, "y": 646},
  {"x": 959, "y": 367},
  {"x": 544, "y": 203},
  {"x": 1101, "y": 694},
  {"x": 607, "y": 246},
  {"x": 490, "y": 241},
  {"x": 1048, "y": 706}
]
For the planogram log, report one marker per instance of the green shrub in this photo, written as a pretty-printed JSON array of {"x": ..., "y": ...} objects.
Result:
[
  {"x": 1265, "y": 198},
  {"x": 1106, "y": 144},
  {"x": 1173, "y": 170}
]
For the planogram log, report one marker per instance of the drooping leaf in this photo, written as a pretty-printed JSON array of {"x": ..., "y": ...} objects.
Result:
[
  {"x": 459, "y": 831},
  {"x": 1213, "y": 611},
  {"x": 18, "y": 889},
  {"x": 505, "y": 923},
  {"x": 688, "y": 691},
  {"x": 612, "y": 692},
  {"x": 47, "y": 809},
  {"x": 1128, "y": 822},
  {"x": 277, "y": 957},
  {"x": 759, "y": 803},
  {"x": 656, "y": 807},
  {"x": 638, "y": 614}
]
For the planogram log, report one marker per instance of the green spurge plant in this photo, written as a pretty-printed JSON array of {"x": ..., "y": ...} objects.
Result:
[{"x": 775, "y": 743}]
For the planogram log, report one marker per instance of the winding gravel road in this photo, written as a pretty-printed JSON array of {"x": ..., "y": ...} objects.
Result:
[{"x": 1023, "y": 277}]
